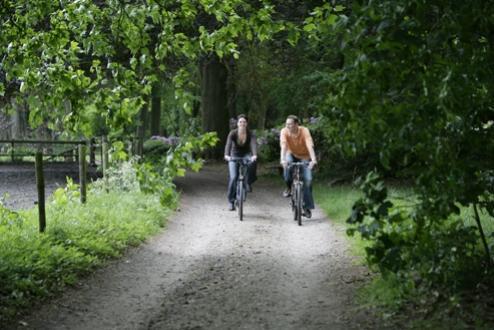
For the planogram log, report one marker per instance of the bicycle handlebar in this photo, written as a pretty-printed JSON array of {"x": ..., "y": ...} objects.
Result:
[
  {"x": 238, "y": 159},
  {"x": 302, "y": 163}
]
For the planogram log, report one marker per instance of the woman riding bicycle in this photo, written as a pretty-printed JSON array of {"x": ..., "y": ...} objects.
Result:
[{"x": 241, "y": 142}]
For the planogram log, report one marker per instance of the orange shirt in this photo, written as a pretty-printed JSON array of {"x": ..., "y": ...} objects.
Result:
[{"x": 298, "y": 145}]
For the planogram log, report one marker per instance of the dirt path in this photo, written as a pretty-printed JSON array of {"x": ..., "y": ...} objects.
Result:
[{"x": 208, "y": 270}]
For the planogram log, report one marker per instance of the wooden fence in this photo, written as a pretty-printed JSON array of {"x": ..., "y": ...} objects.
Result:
[
  {"x": 38, "y": 151},
  {"x": 42, "y": 149},
  {"x": 18, "y": 150}
]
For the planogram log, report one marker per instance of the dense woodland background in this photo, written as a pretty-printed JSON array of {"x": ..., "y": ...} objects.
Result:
[{"x": 393, "y": 91}]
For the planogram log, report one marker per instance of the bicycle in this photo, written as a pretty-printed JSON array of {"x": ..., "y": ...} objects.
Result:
[
  {"x": 241, "y": 193},
  {"x": 297, "y": 198}
]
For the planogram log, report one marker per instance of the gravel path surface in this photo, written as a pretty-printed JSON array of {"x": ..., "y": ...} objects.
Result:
[{"x": 208, "y": 270}]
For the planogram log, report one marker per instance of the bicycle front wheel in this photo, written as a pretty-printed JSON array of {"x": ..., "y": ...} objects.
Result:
[
  {"x": 293, "y": 202},
  {"x": 240, "y": 199},
  {"x": 298, "y": 204}
]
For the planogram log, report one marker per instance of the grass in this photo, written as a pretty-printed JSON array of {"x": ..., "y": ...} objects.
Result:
[
  {"x": 78, "y": 238},
  {"x": 337, "y": 201},
  {"x": 487, "y": 222}
]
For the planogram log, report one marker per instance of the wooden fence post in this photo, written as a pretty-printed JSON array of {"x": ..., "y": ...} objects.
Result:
[
  {"x": 92, "y": 152},
  {"x": 130, "y": 148},
  {"x": 104, "y": 148},
  {"x": 101, "y": 152},
  {"x": 140, "y": 147},
  {"x": 12, "y": 152},
  {"x": 40, "y": 184},
  {"x": 82, "y": 172}
]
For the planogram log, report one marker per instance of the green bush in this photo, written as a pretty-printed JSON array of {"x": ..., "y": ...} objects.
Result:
[
  {"x": 155, "y": 147},
  {"x": 444, "y": 255},
  {"x": 437, "y": 272},
  {"x": 268, "y": 142}
]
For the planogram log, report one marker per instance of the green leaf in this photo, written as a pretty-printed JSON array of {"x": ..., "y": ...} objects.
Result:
[
  {"x": 331, "y": 20},
  {"x": 180, "y": 172},
  {"x": 338, "y": 8},
  {"x": 310, "y": 27},
  {"x": 23, "y": 87}
]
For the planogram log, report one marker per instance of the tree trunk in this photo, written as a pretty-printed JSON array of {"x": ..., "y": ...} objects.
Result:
[
  {"x": 19, "y": 120},
  {"x": 262, "y": 111},
  {"x": 141, "y": 129},
  {"x": 231, "y": 88},
  {"x": 214, "y": 96},
  {"x": 156, "y": 109}
]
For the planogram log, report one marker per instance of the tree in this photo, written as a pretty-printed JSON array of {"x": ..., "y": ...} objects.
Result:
[
  {"x": 214, "y": 98},
  {"x": 413, "y": 90},
  {"x": 156, "y": 109},
  {"x": 102, "y": 58}
]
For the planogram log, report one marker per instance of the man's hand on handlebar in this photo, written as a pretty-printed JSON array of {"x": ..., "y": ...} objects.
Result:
[{"x": 228, "y": 158}]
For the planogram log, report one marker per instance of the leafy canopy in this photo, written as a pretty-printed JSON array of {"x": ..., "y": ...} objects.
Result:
[{"x": 80, "y": 62}]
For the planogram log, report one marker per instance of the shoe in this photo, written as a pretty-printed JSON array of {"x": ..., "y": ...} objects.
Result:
[
  {"x": 307, "y": 213},
  {"x": 248, "y": 187},
  {"x": 287, "y": 193},
  {"x": 231, "y": 206}
]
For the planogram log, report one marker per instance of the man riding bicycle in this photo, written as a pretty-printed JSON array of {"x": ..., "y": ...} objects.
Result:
[
  {"x": 297, "y": 145},
  {"x": 241, "y": 142}
]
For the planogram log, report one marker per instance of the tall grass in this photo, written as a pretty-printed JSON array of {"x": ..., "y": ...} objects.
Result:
[{"x": 337, "y": 201}]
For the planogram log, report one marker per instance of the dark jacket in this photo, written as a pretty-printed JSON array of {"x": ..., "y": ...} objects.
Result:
[{"x": 235, "y": 149}]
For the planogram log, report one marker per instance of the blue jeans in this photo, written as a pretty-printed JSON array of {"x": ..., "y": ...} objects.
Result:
[
  {"x": 306, "y": 176},
  {"x": 233, "y": 168}
]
